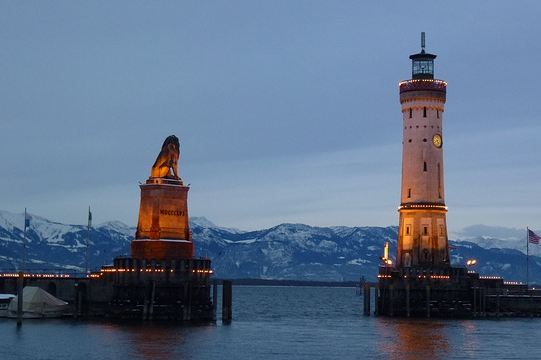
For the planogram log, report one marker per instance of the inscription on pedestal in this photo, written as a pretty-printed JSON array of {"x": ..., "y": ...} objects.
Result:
[{"x": 172, "y": 212}]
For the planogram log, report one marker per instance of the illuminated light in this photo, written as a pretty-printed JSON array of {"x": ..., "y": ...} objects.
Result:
[
  {"x": 443, "y": 277},
  {"x": 202, "y": 271},
  {"x": 423, "y": 206},
  {"x": 471, "y": 262},
  {"x": 422, "y": 84},
  {"x": 36, "y": 275}
]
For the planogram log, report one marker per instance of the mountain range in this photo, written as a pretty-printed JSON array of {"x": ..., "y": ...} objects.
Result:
[{"x": 286, "y": 251}]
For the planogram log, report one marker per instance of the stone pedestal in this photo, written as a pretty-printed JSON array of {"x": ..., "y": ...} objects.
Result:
[{"x": 163, "y": 230}]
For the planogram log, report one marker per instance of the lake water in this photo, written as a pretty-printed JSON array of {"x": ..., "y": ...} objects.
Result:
[{"x": 278, "y": 323}]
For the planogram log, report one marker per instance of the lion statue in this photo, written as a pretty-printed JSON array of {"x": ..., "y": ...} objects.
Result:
[{"x": 167, "y": 159}]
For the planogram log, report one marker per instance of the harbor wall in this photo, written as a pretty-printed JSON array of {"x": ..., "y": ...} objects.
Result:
[
  {"x": 131, "y": 289},
  {"x": 450, "y": 292}
]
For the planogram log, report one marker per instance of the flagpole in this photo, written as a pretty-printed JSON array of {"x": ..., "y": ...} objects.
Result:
[
  {"x": 527, "y": 257},
  {"x": 88, "y": 239},
  {"x": 24, "y": 242}
]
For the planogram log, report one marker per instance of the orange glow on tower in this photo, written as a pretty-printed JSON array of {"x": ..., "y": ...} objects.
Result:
[{"x": 422, "y": 234}]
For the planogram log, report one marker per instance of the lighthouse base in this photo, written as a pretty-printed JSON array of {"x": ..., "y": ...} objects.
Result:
[{"x": 451, "y": 292}]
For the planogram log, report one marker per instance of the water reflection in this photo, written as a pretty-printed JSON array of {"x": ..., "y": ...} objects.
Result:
[
  {"x": 158, "y": 340},
  {"x": 152, "y": 342},
  {"x": 413, "y": 338},
  {"x": 470, "y": 340}
]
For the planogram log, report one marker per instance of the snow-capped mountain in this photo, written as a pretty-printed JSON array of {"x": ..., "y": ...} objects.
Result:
[
  {"x": 51, "y": 246},
  {"x": 286, "y": 251}
]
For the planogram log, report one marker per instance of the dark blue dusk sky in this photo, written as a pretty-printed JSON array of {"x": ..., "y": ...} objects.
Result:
[{"x": 287, "y": 111}]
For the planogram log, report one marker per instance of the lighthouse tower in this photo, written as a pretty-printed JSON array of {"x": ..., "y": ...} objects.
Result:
[
  {"x": 423, "y": 283},
  {"x": 422, "y": 234}
]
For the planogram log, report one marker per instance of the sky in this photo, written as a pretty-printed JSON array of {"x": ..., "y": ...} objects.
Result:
[{"x": 287, "y": 111}]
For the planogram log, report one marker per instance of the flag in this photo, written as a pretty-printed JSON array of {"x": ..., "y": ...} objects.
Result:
[
  {"x": 533, "y": 238},
  {"x": 89, "y": 218}
]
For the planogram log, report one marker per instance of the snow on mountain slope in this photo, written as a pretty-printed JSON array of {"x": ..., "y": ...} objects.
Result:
[{"x": 285, "y": 251}]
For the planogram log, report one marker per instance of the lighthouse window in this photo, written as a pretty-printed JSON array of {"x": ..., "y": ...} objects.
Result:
[
  {"x": 424, "y": 111},
  {"x": 425, "y": 230},
  {"x": 409, "y": 192},
  {"x": 424, "y": 166},
  {"x": 410, "y": 113},
  {"x": 423, "y": 67},
  {"x": 438, "y": 114}
]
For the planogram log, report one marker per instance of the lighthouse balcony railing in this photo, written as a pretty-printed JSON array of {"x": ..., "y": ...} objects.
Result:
[{"x": 423, "y": 84}]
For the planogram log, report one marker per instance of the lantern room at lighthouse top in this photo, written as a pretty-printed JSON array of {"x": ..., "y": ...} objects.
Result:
[{"x": 422, "y": 63}]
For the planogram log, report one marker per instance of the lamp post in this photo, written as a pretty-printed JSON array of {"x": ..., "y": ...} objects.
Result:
[{"x": 471, "y": 262}]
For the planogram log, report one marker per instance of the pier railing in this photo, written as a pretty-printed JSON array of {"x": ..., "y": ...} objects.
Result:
[{"x": 43, "y": 273}]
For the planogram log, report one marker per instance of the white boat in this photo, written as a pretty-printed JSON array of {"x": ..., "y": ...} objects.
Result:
[
  {"x": 5, "y": 299},
  {"x": 37, "y": 303}
]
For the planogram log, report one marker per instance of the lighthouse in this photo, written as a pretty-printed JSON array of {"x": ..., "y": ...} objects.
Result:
[
  {"x": 422, "y": 282},
  {"x": 422, "y": 233}
]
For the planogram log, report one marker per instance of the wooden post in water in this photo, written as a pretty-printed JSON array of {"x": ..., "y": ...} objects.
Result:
[
  {"x": 214, "y": 299},
  {"x": 20, "y": 285},
  {"x": 80, "y": 302},
  {"x": 186, "y": 314},
  {"x": 484, "y": 301},
  {"x": 391, "y": 288},
  {"x": 376, "y": 299},
  {"x": 366, "y": 299},
  {"x": 474, "y": 302},
  {"x": 226, "y": 301},
  {"x": 531, "y": 304},
  {"x": 152, "y": 295},
  {"x": 145, "y": 303},
  {"x": 76, "y": 300},
  {"x": 408, "y": 299},
  {"x": 428, "y": 301}
]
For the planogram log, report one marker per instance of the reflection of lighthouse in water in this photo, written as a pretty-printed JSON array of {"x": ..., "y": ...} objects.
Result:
[{"x": 422, "y": 235}]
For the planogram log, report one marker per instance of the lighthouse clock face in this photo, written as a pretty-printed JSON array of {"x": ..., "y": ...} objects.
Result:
[{"x": 436, "y": 140}]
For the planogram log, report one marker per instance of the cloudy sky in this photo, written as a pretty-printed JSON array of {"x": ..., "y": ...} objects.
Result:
[{"x": 287, "y": 111}]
